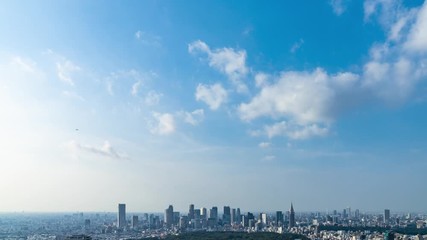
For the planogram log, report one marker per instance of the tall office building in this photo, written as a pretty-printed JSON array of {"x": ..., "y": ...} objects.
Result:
[
  {"x": 238, "y": 216},
  {"x": 292, "y": 217},
  {"x": 204, "y": 213},
  {"x": 226, "y": 217},
  {"x": 279, "y": 218},
  {"x": 214, "y": 214},
  {"x": 121, "y": 216},
  {"x": 386, "y": 216},
  {"x": 169, "y": 216},
  {"x": 233, "y": 216},
  {"x": 191, "y": 212},
  {"x": 135, "y": 221},
  {"x": 263, "y": 218}
]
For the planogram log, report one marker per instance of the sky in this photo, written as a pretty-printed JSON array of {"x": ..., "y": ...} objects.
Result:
[{"x": 239, "y": 103}]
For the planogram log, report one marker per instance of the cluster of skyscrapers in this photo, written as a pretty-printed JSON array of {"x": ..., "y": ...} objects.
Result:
[{"x": 209, "y": 218}]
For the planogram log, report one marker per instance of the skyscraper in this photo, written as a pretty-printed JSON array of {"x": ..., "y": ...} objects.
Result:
[
  {"x": 214, "y": 214},
  {"x": 226, "y": 217},
  {"x": 121, "y": 216},
  {"x": 233, "y": 216},
  {"x": 279, "y": 218},
  {"x": 135, "y": 221},
  {"x": 238, "y": 216},
  {"x": 169, "y": 216},
  {"x": 191, "y": 212},
  {"x": 292, "y": 217},
  {"x": 386, "y": 216},
  {"x": 204, "y": 213}
]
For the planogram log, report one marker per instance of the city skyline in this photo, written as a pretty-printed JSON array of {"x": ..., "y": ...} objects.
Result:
[{"x": 220, "y": 103}]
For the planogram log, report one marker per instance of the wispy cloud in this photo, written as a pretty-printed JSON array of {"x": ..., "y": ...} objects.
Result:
[
  {"x": 106, "y": 150},
  {"x": 194, "y": 117},
  {"x": 339, "y": 6},
  {"x": 213, "y": 95},
  {"x": 164, "y": 124},
  {"x": 229, "y": 61},
  {"x": 148, "y": 38},
  {"x": 152, "y": 98},
  {"x": 73, "y": 95},
  {"x": 296, "y": 46},
  {"x": 264, "y": 144}
]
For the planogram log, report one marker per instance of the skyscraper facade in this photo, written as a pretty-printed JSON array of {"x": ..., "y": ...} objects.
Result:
[
  {"x": 386, "y": 216},
  {"x": 121, "y": 216},
  {"x": 279, "y": 218},
  {"x": 226, "y": 217},
  {"x": 169, "y": 216},
  {"x": 292, "y": 217},
  {"x": 191, "y": 212}
]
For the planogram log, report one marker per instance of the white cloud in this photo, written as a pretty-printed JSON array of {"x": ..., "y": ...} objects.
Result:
[
  {"x": 417, "y": 39},
  {"x": 152, "y": 98},
  {"x": 164, "y": 125},
  {"x": 303, "y": 96},
  {"x": 105, "y": 150},
  {"x": 338, "y": 6},
  {"x": 213, "y": 95},
  {"x": 135, "y": 88},
  {"x": 109, "y": 85},
  {"x": 295, "y": 131},
  {"x": 148, "y": 38},
  {"x": 73, "y": 95},
  {"x": 194, "y": 117},
  {"x": 229, "y": 61},
  {"x": 65, "y": 69},
  {"x": 269, "y": 158},
  {"x": 26, "y": 65},
  {"x": 261, "y": 79},
  {"x": 264, "y": 144},
  {"x": 296, "y": 46}
]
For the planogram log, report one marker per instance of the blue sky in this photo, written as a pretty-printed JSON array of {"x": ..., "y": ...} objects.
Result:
[{"x": 246, "y": 104}]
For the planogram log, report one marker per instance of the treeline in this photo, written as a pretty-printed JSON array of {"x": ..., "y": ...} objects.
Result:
[
  {"x": 234, "y": 235},
  {"x": 407, "y": 230}
]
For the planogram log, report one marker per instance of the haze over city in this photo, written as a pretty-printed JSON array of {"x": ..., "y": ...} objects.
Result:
[{"x": 224, "y": 103}]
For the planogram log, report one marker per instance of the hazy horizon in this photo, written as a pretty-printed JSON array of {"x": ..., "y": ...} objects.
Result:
[{"x": 243, "y": 104}]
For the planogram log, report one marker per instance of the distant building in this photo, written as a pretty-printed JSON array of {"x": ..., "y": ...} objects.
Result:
[
  {"x": 169, "y": 216},
  {"x": 226, "y": 217},
  {"x": 238, "y": 216},
  {"x": 121, "y": 216},
  {"x": 291, "y": 217},
  {"x": 263, "y": 218},
  {"x": 204, "y": 213},
  {"x": 279, "y": 218},
  {"x": 135, "y": 221},
  {"x": 386, "y": 216},
  {"x": 191, "y": 212},
  {"x": 233, "y": 216},
  {"x": 214, "y": 214}
]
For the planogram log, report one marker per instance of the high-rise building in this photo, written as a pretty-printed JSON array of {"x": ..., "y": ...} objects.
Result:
[
  {"x": 386, "y": 216},
  {"x": 169, "y": 216},
  {"x": 204, "y": 213},
  {"x": 197, "y": 214},
  {"x": 349, "y": 216},
  {"x": 238, "y": 216},
  {"x": 263, "y": 218},
  {"x": 357, "y": 214},
  {"x": 214, "y": 213},
  {"x": 135, "y": 221},
  {"x": 191, "y": 212},
  {"x": 233, "y": 216},
  {"x": 226, "y": 217},
  {"x": 121, "y": 216},
  {"x": 279, "y": 218},
  {"x": 292, "y": 217}
]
